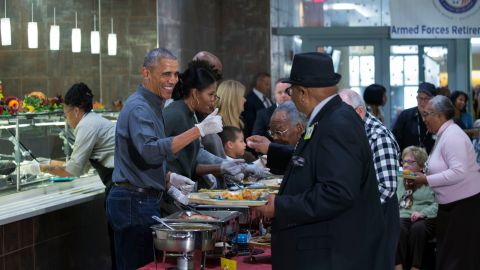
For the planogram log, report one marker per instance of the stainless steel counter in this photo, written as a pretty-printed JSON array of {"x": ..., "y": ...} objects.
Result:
[{"x": 54, "y": 196}]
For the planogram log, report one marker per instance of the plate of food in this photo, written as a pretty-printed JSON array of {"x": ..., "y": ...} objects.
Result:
[
  {"x": 264, "y": 240},
  {"x": 244, "y": 197},
  {"x": 408, "y": 174},
  {"x": 273, "y": 183}
]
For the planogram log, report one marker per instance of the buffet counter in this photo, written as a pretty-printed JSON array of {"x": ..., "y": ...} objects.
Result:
[{"x": 51, "y": 197}]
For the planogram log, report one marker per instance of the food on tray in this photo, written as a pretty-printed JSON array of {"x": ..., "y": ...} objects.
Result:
[
  {"x": 244, "y": 194},
  {"x": 194, "y": 216},
  {"x": 265, "y": 240}
]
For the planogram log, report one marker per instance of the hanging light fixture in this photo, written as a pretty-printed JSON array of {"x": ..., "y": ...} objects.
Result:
[
  {"x": 32, "y": 33},
  {"x": 54, "y": 35},
  {"x": 76, "y": 37},
  {"x": 95, "y": 37},
  {"x": 112, "y": 41},
  {"x": 6, "y": 29}
]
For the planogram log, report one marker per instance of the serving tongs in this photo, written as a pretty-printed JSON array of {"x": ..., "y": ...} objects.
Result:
[
  {"x": 163, "y": 223},
  {"x": 188, "y": 210}
]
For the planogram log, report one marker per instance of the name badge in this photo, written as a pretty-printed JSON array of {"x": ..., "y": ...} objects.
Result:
[
  {"x": 298, "y": 161},
  {"x": 308, "y": 132}
]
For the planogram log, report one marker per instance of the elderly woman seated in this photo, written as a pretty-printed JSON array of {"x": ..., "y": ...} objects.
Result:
[{"x": 418, "y": 210}]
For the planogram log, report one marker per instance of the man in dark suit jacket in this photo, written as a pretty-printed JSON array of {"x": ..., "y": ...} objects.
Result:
[
  {"x": 258, "y": 98},
  {"x": 262, "y": 122},
  {"x": 409, "y": 129},
  {"x": 327, "y": 214}
]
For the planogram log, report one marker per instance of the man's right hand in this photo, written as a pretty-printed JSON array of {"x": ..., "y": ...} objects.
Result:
[
  {"x": 184, "y": 184},
  {"x": 178, "y": 195},
  {"x": 258, "y": 143}
]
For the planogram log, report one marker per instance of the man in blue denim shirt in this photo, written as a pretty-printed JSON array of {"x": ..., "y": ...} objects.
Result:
[{"x": 141, "y": 147}]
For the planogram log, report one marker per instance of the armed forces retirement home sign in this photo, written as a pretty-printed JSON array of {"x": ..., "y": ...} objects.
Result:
[{"x": 435, "y": 18}]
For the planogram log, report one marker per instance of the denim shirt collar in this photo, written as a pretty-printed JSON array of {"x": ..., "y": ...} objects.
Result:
[{"x": 155, "y": 100}]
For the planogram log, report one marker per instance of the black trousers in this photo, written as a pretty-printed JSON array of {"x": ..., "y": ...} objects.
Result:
[
  {"x": 458, "y": 234},
  {"x": 392, "y": 229},
  {"x": 412, "y": 241}
]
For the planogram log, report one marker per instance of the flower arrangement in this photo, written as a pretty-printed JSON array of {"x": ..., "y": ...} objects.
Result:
[
  {"x": 98, "y": 106},
  {"x": 33, "y": 102}
]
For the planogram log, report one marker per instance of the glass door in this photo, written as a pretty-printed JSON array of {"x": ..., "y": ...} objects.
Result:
[
  {"x": 410, "y": 65},
  {"x": 399, "y": 65},
  {"x": 355, "y": 63}
]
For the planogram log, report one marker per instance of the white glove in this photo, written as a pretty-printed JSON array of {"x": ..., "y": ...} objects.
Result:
[
  {"x": 29, "y": 167},
  {"x": 184, "y": 184},
  {"x": 211, "y": 181},
  {"x": 212, "y": 124},
  {"x": 232, "y": 167},
  {"x": 256, "y": 171},
  {"x": 178, "y": 195}
]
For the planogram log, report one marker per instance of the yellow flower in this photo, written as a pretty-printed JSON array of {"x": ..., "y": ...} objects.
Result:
[{"x": 30, "y": 108}]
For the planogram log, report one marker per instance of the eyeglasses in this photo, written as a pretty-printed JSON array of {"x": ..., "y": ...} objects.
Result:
[
  {"x": 424, "y": 99},
  {"x": 426, "y": 114},
  {"x": 67, "y": 110},
  {"x": 277, "y": 133},
  {"x": 409, "y": 162},
  {"x": 289, "y": 91}
]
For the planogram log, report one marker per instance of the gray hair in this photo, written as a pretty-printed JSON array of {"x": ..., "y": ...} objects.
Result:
[
  {"x": 352, "y": 98},
  {"x": 443, "y": 105},
  {"x": 154, "y": 55},
  {"x": 418, "y": 153},
  {"x": 293, "y": 114}
]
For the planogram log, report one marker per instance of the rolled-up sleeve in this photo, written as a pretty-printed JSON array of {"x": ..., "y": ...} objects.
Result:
[
  {"x": 205, "y": 157},
  {"x": 85, "y": 140},
  {"x": 145, "y": 137}
]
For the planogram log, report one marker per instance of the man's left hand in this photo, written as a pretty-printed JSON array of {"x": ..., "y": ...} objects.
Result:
[{"x": 267, "y": 210}]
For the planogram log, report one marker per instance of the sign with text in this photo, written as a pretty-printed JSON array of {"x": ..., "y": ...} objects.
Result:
[{"x": 435, "y": 18}]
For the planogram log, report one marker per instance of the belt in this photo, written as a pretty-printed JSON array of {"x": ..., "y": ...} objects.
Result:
[{"x": 149, "y": 191}]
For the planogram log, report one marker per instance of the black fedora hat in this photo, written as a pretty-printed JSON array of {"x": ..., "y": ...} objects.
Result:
[{"x": 313, "y": 69}]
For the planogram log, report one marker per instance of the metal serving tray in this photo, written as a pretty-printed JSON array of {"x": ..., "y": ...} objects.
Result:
[{"x": 223, "y": 217}]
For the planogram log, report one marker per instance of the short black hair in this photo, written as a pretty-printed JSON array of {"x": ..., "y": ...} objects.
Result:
[
  {"x": 229, "y": 134},
  {"x": 199, "y": 74},
  {"x": 455, "y": 95},
  {"x": 261, "y": 75},
  {"x": 374, "y": 93},
  {"x": 79, "y": 95},
  {"x": 156, "y": 54}
]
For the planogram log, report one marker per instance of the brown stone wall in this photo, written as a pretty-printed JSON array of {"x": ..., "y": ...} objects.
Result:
[
  {"x": 238, "y": 31},
  {"x": 23, "y": 70}
]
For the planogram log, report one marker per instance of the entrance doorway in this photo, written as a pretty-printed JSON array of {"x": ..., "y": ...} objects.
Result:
[{"x": 366, "y": 55}]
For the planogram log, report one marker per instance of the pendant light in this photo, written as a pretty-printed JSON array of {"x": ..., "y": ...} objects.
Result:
[
  {"x": 76, "y": 37},
  {"x": 54, "y": 34},
  {"x": 6, "y": 29},
  {"x": 32, "y": 33},
  {"x": 112, "y": 41},
  {"x": 95, "y": 37}
]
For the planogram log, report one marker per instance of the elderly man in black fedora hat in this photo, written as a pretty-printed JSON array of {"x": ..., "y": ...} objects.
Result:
[{"x": 327, "y": 214}]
